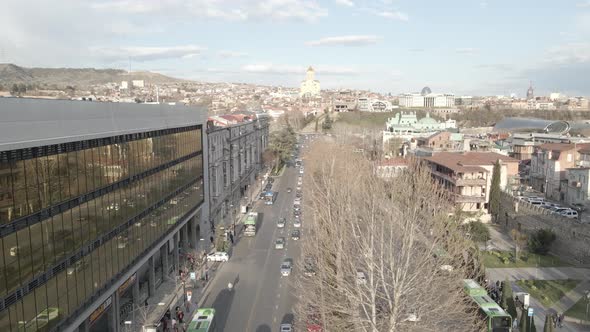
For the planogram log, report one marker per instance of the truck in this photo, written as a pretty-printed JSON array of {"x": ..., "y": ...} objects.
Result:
[{"x": 250, "y": 224}]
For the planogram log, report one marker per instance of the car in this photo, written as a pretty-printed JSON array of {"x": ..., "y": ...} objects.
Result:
[
  {"x": 289, "y": 190},
  {"x": 361, "y": 279},
  {"x": 549, "y": 205},
  {"x": 296, "y": 234},
  {"x": 297, "y": 201},
  {"x": 280, "y": 243},
  {"x": 281, "y": 223},
  {"x": 558, "y": 209},
  {"x": 286, "y": 267},
  {"x": 286, "y": 327},
  {"x": 535, "y": 198},
  {"x": 299, "y": 194},
  {"x": 296, "y": 223},
  {"x": 569, "y": 213},
  {"x": 578, "y": 207},
  {"x": 536, "y": 203},
  {"x": 219, "y": 256},
  {"x": 297, "y": 208}
]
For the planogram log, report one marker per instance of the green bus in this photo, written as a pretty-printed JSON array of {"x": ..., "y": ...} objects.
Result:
[
  {"x": 496, "y": 319},
  {"x": 204, "y": 321}
]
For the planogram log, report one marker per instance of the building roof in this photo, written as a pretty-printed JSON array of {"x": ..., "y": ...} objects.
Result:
[
  {"x": 28, "y": 122},
  {"x": 556, "y": 146},
  {"x": 397, "y": 161},
  {"x": 468, "y": 161}
]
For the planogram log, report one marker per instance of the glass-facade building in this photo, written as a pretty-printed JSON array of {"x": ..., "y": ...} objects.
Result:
[{"x": 87, "y": 190}]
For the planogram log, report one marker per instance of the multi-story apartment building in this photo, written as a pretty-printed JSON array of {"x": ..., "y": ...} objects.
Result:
[
  {"x": 468, "y": 175},
  {"x": 548, "y": 167},
  {"x": 235, "y": 160},
  {"x": 95, "y": 200},
  {"x": 578, "y": 182}
]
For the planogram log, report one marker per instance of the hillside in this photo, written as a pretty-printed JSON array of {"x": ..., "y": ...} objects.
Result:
[{"x": 79, "y": 77}]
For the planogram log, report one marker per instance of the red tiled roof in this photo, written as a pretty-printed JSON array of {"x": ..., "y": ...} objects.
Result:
[{"x": 468, "y": 161}]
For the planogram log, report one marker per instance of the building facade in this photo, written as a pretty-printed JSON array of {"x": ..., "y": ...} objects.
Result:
[
  {"x": 578, "y": 181},
  {"x": 235, "y": 161},
  {"x": 468, "y": 176},
  {"x": 310, "y": 88},
  {"x": 96, "y": 200},
  {"x": 430, "y": 100}
]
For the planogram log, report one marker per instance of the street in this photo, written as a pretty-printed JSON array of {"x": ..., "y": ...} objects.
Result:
[{"x": 261, "y": 299}]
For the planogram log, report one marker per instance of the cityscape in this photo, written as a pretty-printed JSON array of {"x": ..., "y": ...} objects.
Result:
[{"x": 319, "y": 166}]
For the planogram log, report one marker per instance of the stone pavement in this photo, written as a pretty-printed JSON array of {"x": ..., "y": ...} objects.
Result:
[{"x": 541, "y": 273}]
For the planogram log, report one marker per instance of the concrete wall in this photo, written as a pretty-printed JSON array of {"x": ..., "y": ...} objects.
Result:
[{"x": 573, "y": 238}]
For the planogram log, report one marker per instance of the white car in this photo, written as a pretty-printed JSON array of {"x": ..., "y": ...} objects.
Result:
[
  {"x": 572, "y": 214},
  {"x": 296, "y": 223},
  {"x": 286, "y": 328},
  {"x": 286, "y": 267},
  {"x": 280, "y": 243},
  {"x": 218, "y": 257}
]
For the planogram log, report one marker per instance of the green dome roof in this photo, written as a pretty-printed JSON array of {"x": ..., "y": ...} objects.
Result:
[{"x": 428, "y": 120}]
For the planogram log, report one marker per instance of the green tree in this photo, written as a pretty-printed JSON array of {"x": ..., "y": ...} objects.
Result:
[
  {"x": 495, "y": 192},
  {"x": 327, "y": 125},
  {"x": 508, "y": 299},
  {"x": 540, "y": 242},
  {"x": 548, "y": 327},
  {"x": 14, "y": 90},
  {"x": 282, "y": 144},
  {"x": 479, "y": 231}
]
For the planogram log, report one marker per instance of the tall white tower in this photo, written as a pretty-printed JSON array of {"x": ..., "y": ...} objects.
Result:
[
  {"x": 310, "y": 76},
  {"x": 310, "y": 87}
]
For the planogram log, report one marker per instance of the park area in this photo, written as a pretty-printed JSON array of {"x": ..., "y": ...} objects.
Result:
[
  {"x": 547, "y": 291},
  {"x": 506, "y": 259}
]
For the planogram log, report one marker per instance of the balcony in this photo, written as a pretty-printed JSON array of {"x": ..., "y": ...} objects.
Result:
[
  {"x": 470, "y": 199},
  {"x": 461, "y": 182}
]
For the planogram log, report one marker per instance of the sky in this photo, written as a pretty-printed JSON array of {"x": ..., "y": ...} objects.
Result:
[{"x": 466, "y": 47}]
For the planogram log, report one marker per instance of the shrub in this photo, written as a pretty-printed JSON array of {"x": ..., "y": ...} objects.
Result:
[{"x": 540, "y": 242}]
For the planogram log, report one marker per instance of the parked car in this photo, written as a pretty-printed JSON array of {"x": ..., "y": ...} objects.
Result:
[
  {"x": 280, "y": 243},
  {"x": 218, "y": 257},
  {"x": 286, "y": 267},
  {"x": 281, "y": 223},
  {"x": 549, "y": 205},
  {"x": 289, "y": 190},
  {"x": 296, "y": 234},
  {"x": 296, "y": 223},
  {"x": 536, "y": 202},
  {"x": 569, "y": 213},
  {"x": 286, "y": 327},
  {"x": 558, "y": 209},
  {"x": 579, "y": 207}
]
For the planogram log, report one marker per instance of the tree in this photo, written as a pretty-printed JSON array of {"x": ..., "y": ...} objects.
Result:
[
  {"x": 391, "y": 234},
  {"x": 508, "y": 299},
  {"x": 282, "y": 144},
  {"x": 541, "y": 241},
  {"x": 495, "y": 191},
  {"x": 327, "y": 125},
  {"x": 520, "y": 241},
  {"x": 14, "y": 90},
  {"x": 548, "y": 327},
  {"x": 479, "y": 231}
]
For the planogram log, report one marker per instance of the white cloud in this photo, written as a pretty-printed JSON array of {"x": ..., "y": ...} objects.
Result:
[
  {"x": 139, "y": 53},
  {"x": 229, "y": 10},
  {"x": 268, "y": 68},
  {"x": 467, "y": 50},
  {"x": 585, "y": 4},
  {"x": 351, "y": 40},
  {"x": 569, "y": 53},
  {"x": 232, "y": 54},
  {"x": 347, "y": 3},
  {"x": 393, "y": 15}
]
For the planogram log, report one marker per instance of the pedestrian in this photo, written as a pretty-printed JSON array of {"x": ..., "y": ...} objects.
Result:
[
  {"x": 515, "y": 324},
  {"x": 211, "y": 238},
  {"x": 560, "y": 320},
  {"x": 168, "y": 314},
  {"x": 206, "y": 275},
  {"x": 174, "y": 327},
  {"x": 231, "y": 238},
  {"x": 554, "y": 319}
]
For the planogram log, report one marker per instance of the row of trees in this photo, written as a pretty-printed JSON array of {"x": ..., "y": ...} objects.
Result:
[
  {"x": 386, "y": 256},
  {"x": 281, "y": 146}
]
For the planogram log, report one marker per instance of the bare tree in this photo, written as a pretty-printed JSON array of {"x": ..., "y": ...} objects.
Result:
[{"x": 387, "y": 256}]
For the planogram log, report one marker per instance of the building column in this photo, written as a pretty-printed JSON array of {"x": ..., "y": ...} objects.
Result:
[
  {"x": 83, "y": 327},
  {"x": 114, "y": 314},
  {"x": 165, "y": 264},
  {"x": 176, "y": 256},
  {"x": 194, "y": 236},
  {"x": 151, "y": 276},
  {"x": 135, "y": 291},
  {"x": 184, "y": 234}
]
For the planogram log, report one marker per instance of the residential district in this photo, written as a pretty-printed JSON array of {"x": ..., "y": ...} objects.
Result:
[{"x": 132, "y": 206}]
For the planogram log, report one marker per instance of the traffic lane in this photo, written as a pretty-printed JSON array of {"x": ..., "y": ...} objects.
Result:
[{"x": 286, "y": 292}]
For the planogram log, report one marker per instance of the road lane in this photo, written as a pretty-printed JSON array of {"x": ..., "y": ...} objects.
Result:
[{"x": 260, "y": 298}]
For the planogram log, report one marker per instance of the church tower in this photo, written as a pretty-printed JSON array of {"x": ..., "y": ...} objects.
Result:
[{"x": 530, "y": 92}]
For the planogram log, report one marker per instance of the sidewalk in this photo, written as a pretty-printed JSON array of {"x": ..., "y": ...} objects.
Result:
[{"x": 541, "y": 273}]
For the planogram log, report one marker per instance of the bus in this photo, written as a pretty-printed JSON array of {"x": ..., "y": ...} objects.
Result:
[
  {"x": 204, "y": 321},
  {"x": 496, "y": 319},
  {"x": 269, "y": 197}
]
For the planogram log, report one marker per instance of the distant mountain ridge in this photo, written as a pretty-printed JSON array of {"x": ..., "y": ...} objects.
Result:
[{"x": 80, "y": 77}]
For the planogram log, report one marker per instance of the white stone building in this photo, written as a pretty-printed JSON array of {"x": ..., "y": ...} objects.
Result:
[{"x": 310, "y": 88}]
